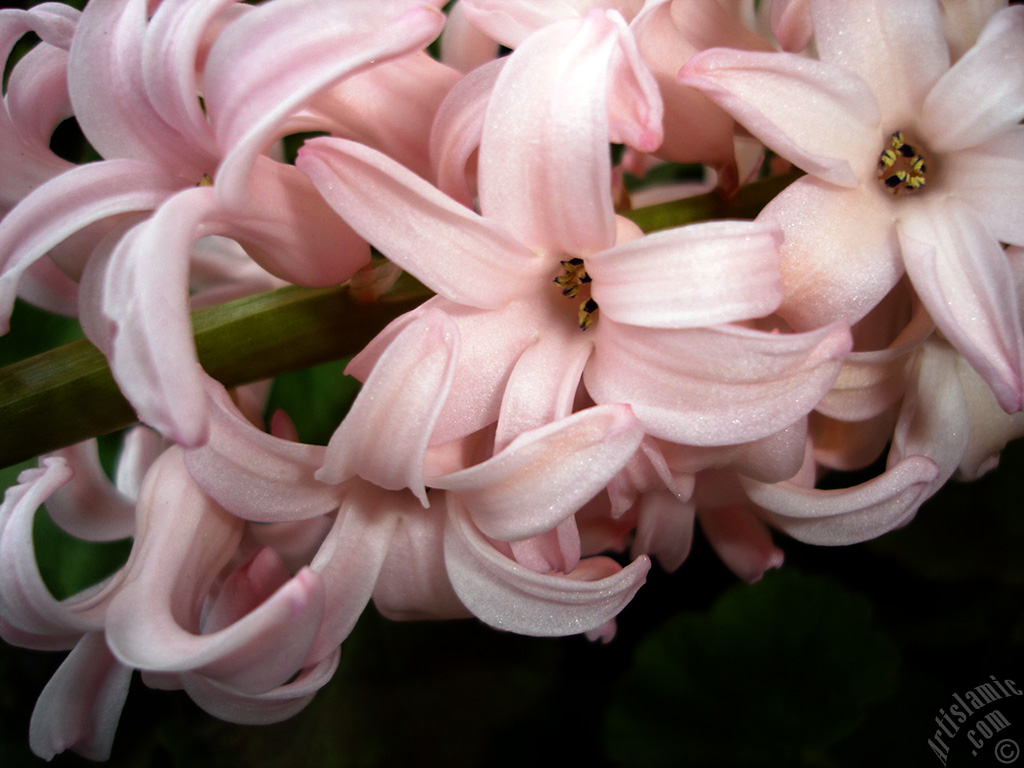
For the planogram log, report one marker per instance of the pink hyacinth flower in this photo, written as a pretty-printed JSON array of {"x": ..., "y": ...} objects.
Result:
[
  {"x": 661, "y": 337},
  {"x": 914, "y": 164},
  {"x": 134, "y": 87}
]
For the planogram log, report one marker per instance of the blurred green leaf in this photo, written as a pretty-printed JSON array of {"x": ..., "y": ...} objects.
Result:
[{"x": 773, "y": 675}]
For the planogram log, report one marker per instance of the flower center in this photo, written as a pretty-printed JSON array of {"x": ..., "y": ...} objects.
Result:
[
  {"x": 901, "y": 167},
  {"x": 206, "y": 181},
  {"x": 574, "y": 280}
]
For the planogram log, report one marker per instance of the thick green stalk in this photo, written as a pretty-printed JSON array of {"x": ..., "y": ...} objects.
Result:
[{"x": 68, "y": 395}]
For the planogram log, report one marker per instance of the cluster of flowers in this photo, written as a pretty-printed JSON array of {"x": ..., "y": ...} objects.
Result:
[{"x": 576, "y": 388}]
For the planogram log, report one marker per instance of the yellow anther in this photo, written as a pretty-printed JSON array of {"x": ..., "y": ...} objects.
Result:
[{"x": 900, "y": 167}]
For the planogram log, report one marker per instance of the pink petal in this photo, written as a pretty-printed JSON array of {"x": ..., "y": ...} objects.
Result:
[
  {"x": 664, "y": 529},
  {"x": 815, "y": 114},
  {"x": 870, "y": 39},
  {"x": 714, "y": 386},
  {"x": 351, "y": 558},
  {"x": 463, "y": 46},
  {"x": 963, "y": 278},
  {"x": 385, "y": 435},
  {"x": 184, "y": 540},
  {"x": 509, "y": 596},
  {"x": 391, "y": 107},
  {"x": 171, "y": 50},
  {"x": 36, "y": 102},
  {"x": 490, "y": 344},
  {"x": 870, "y": 382},
  {"x": 742, "y": 541},
  {"x": 111, "y": 103},
  {"x": 288, "y": 229},
  {"x": 851, "y": 445},
  {"x": 413, "y": 583},
  {"x": 982, "y": 95},
  {"x": 934, "y": 421},
  {"x": 254, "y": 475},
  {"x": 411, "y": 223},
  {"x": 792, "y": 24},
  {"x": 25, "y": 601},
  {"x": 696, "y": 130},
  {"x": 839, "y": 261},
  {"x": 543, "y": 384},
  {"x": 272, "y": 61},
  {"x": 67, "y": 204},
  {"x": 80, "y": 707},
  {"x": 228, "y": 703},
  {"x": 510, "y": 23},
  {"x": 851, "y": 515},
  {"x": 140, "y": 447},
  {"x": 88, "y": 506},
  {"x": 573, "y": 87},
  {"x": 145, "y": 300},
  {"x": 458, "y": 129},
  {"x": 545, "y": 475},
  {"x": 555, "y": 550},
  {"x": 693, "y": 276},
  {"x": 990, "y": 178}
]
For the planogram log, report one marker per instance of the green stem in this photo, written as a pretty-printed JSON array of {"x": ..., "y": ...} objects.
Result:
[{"x": 67, "y": 395}]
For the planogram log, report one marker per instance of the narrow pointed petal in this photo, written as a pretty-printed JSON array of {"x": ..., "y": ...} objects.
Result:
[
  {"x": 695, "y": 276},
  {"x": 509, "y": 596},
  {"x": 815, "y": 114},
  {"x": 184, "y": 540},
  {"x": 286, "y": 227},
  {"x": 413, "y": 583},
  {"x": 572, "y": 87},
  {"x": 232, "y": 705},
  {"x": 696, "y": 129},
  {"x": 714, "y": 386},
  {"x": 962, "y": 276},
  {"x": 458, "y": 129},
  {"x": 839, "y": 261},
  {"x": 899, "y": 49},
  {"x": 271, "y": 62},
  {"x": 351, "y": 558},
  {"x": 411, "y": 222},
  {"x": 934, "y": 420},
  {"x": 67, "y": 204},
  {"x": 463, "y": 46},
  {"x": 490, "y": 344},
  {"x": 664, "y": 529},
  {"x": 873, "y": 381},
  {"x": 510, "y": 23},
  {"x": 982, "y": 95},
  {"x": 145, "y": 300},
  {"x": 254, "y": 475},
  {"x": 390, "y": 107},
  {"x": 385, "y": 435},
  {"x": 742, "y": 541},
  {"x": 851, "y": 515},
  {"x": 990, "y": 178},
  {"x": 545, "y": 475},
  {"x": 36, "y": 101},
  {"x": 80, "y": 707},
  {"x": 108, "y": 92},
  {"x": 88, "y": 506},
  {"x": 170, "y": 51},
  {"x": 791, "y": 24},
  {"x": 25, "y": 601},
  {"x": 543, "y": 384}
]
